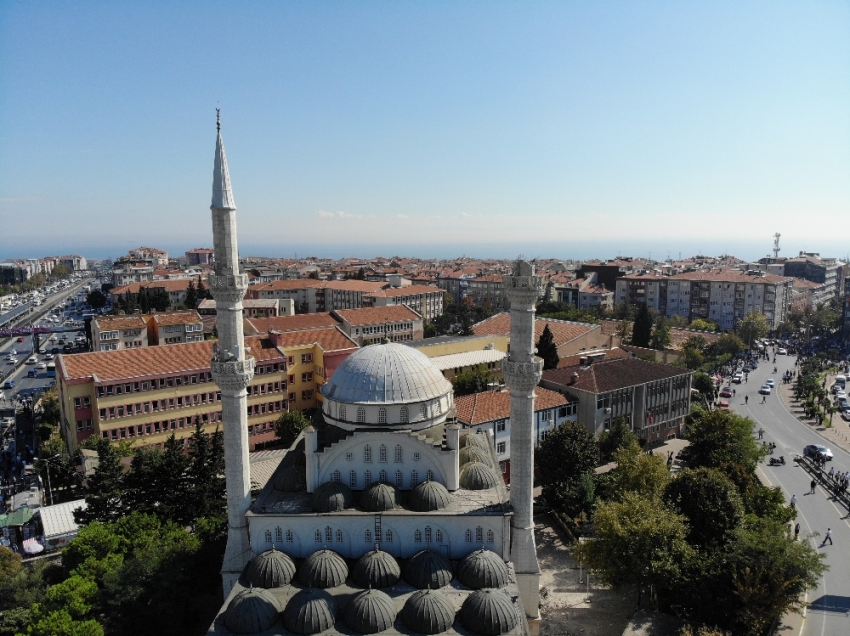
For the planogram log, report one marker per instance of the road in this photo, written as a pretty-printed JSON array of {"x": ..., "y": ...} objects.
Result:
[{"x": 829, "y": 604}]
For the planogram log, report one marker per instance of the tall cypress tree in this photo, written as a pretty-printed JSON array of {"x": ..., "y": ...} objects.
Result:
[
  {"x": 547, "y": 350},
  {"x": 642, "y": 329},
  {"x": 104, "y": 490},
  {"x": 191, "y": 296}
]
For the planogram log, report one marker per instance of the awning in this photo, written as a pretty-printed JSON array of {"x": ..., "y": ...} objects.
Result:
[{"x": 32, "y": 546}]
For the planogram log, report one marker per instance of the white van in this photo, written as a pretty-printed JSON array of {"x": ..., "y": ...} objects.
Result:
[{"x": 841, "y": 381}]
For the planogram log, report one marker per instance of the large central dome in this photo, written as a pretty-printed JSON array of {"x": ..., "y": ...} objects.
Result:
[
  {"x": 387, "y": 373},
  {"x": 389, "y": 385}
]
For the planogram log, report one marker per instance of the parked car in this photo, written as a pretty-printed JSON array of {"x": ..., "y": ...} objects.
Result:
[
  {"x": 724, "y": 405},
  {"x": 816, "y": 450},
  {"x": 782, "y": 351},
  {"x": 726, "y": 392},
  {"x": 738, "y": 378}
]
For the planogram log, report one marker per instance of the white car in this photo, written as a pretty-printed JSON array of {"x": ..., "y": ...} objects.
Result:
[
  {"x": 782, "y": 351},
  {"x": 765, "y": 390},
  {"x": 31, "y": 360},
  {"x": 41, "y": 365},
  {"x": 770, "y": 382}
]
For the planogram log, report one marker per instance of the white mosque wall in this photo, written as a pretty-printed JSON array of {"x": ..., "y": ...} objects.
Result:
[{"x": 410, "y": 416}]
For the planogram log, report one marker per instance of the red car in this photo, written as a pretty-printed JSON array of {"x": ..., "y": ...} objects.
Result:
[
  {"x": 724, "y": 405},
  {"x": 726, "y": 392},
  {"x": 20, "y": 339}
]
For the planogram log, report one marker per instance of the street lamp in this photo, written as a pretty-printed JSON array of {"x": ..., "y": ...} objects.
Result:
[{"x": 47, "y": 466}]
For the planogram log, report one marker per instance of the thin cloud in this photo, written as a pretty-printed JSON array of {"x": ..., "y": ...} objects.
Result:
[
  {"x": 401, "y": 216},
  {"x": 324, "y": 215}
]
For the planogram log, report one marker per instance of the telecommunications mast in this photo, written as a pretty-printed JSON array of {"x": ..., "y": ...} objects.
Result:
[{"x": 776, "y": 244}]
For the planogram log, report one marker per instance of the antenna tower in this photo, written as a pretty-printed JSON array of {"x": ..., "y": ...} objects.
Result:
[{"x": 776, "y": 245}]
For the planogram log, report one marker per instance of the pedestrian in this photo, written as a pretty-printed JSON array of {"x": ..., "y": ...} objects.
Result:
[
  {"x": 746, "y": 399},
  {"x": 793, "y": 501},
  {"x": 828, "y": 537},
  {"x": 812, "y": 485},
  {"x": 796, "y": 531},
  {"x": 763, "y": 399}
]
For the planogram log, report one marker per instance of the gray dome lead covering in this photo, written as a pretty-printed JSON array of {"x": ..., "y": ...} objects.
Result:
[
  {"x": 475, "y": 439},
  {"x": 474, "y": 454},
  {"x": 270, "y": 569},
  {"x": 428, "y": 569},
  {"x": 376, "y": 569},
  {"x": 324, "y": 568},
  {"x": 251, "y": 611},
  {"x": 488, "y": 612},
  {"x": 370, "y": 612},
  {"x": 483, "y": 569},
  {"x": 428, "y": 612},
  {"x": 429, "y": 496},
  {"x": 309, "y": 612},
  {"x": 477, "y": 476},
  {"x": 291, "y": 478},
  {"x": 379, "y": 497},
  {"x": 332, "y": 496}
]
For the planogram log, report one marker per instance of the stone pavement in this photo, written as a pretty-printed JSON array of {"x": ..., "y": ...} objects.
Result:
[{"x": 838, "y": 434}]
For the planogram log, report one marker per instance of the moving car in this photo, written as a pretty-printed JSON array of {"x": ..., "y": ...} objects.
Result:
[
  {"x": 782, "y": 351},
  {"x": 9, "y": 384},
  {"x": 770, "y": 382},
  {"x": 41, "y": 365},
  {"x": 32, "y": 360},
  {"x": 726, "y": 392},
  {"x": 738, "y": 378},
  {"x": 816, "y": 450},
  {"x": 764, "y": 390}
]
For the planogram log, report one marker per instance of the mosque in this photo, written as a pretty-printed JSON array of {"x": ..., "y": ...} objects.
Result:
[{"x": 385, "y": 517}]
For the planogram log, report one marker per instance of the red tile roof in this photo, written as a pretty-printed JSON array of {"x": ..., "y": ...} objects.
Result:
[
  {"x": 610, "y": 354},
  {"x": 329, "y": 339},
  {"x": 176, "y": 318},
  {"x": 133, "y": 321},
  {"x": 410, "y": 290},
  {"x": 610, "y": 375},
  {"x": 496, "y": 405},
  {"x": 298, "y": 322},
  {"x": 377, "y": 315},
  {"x": 562, "y": 330}
]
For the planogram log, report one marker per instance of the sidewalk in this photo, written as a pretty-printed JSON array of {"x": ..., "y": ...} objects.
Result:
[{"x": 838, "y": 434}]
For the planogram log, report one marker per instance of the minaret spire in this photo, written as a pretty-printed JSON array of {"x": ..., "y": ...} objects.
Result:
[{"x": 232, "y": 370}]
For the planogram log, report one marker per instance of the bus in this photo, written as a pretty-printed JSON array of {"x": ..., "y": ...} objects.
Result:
[{"x": 51, "y": 369}]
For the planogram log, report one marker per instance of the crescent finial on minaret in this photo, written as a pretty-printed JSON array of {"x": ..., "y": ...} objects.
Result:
[{"x": 218, "y": 119}]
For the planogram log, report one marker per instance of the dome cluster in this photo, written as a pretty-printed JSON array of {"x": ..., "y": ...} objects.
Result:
[
  {"x": 488, "y": 611},
  {"x": 477, "y": 471},
  {"x": 333, "y": 496}
]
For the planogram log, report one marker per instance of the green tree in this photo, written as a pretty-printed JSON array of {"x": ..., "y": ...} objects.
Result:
[
  {"x": 638, "y": 541},
  {"x": 105, "y": 488},
  {"x": 547, "y": 349},
  {"x": 752, "y": 327},
  {"x": 475, "y": 380},
  {"x": 191, "y": 301},
  {"x": 660, "y": 335},
  {"x": 361, "y": 274},
  {"x": 60, "y": 271},
  {"x": 727, "y": 344},
  {"x": 289, "y": 426},
  {"x": 694, "y": 358},
  {"x": 203, "y": 292},
  {"x": 205, "y": 474},
  {"x": 50, "y": 406},
  {"x": 696, "y": 342},
  {"x": 703, "y": 324},
  {"x": 10, "y": 562},
  {"x": 644, "y": 474},
  {"x": 96, "y": 299},
  {"x": 709, "y": 501},
  {"x": 60, "y": 623},
  {"x": 617, "y": 437},
  {"x": 159, "y": 299},
  {"x": 642, "y": 328},
  {"x": 563, "y": 457},
  {"x": 722, "y": 439},
  {"x": 703, "y": 383}
]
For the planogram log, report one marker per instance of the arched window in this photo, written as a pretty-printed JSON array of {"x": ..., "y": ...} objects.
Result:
[
  {"x": 268, "y": 536},
  {"x": 352, "y": 479},
  {"x": 491, "y": 537},
  {"x": 399, "y": 479},
  {"x": 468, "y": 535},
  {"x": 367, "y": 536},
  {"x": 361, "y": 414},
  {"x": 278, "y": 534},
  {"x": 342, "y": 413},
  {"x": 389, "y": 536},
  {"x": 382, "y": 415},
  {"x": 398, "y": 454},
  {"x": 367, "y": 454},
  {"x": 318, "y": 536},
  {"x": 417, "y": 536},
  {"x": 479, "y": 534},
  {"x": 382, "y": 476},
  {"x": 339, "y": 536},
  {"x": 423, "y": 411},
  {"x": 382, "y": 454},
  {"x": 429, "y": 475},
  {"x": 438, "y": 536},
  {"x": 335, "y": 476},
  {"x": 438, "y": 407},
  {"x": 404, "y": 416},
  {"x": 289, "y": 536},
  {"x": 427, "y": 534},
  {"x": 367, "y": 478},
  {"x": 329, "y": 535},
  {"x": 414, "y": 478}
]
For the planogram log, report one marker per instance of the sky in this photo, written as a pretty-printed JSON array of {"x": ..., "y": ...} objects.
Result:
[{"x": 549, "y": 129}]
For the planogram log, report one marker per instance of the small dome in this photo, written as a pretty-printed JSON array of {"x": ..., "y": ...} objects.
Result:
[
  {"x": 379, "y": 497},
  {"x": 429, "y": 496},
  {"x": 483, "y": 568},
  {"x": 309, "y": 612},
  {"x": 291, "y": 478},
  {"x": 474, "y": 454},
  {"x": 477, "y": 476},
  {"x": 488, "y": 612},
  {"x": 428, "y": 569},
  {"x": 376, "y": 569},
  {"x": 270, "y": 569},
  {"x": 475, "y": 439},
  {"x": 324, "y": 568},
  {"x": 386, "y": 374},
  {"x": 428, "y": 612},
  {"x": 251, "y": 611},
  {"x": 370, "y": 612},
  {"x": 332, "y": 496}
]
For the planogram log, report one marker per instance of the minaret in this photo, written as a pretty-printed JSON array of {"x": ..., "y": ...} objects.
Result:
[
  {"x": 231, "y": 370},
  {"x": 522, "y": 371}
]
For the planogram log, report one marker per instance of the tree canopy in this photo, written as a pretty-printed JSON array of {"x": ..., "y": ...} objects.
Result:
[
  {"x": 752, "y": 327},
  {"x": 289, "y": 426},
  {"x": 642, "y": 328},
  {"x": 547, "y": 349},
  {"x": 567, "y": 453},
  {"x": 475, "y": 380}
]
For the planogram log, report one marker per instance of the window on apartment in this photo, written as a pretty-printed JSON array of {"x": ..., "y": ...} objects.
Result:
[
  {"x": 306, "y": 357},
  {"x": 500, "y": 448}
]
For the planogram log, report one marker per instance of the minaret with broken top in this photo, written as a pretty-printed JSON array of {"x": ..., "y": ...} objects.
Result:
[
  {"x": 522, "y": 371},
  {"x": 231, "y": 369}
]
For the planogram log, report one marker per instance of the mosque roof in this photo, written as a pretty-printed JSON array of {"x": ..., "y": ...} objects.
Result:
[
  {"x": 385, "y": 374},
  {"x": 489, "y": 613},
  {"x": 477, "y": 476},
  {"x": 428, "y": 569},
  {"x": 429, "y": 496},
  {"x": 380, "y": 497},
  {"x": 324, "y": 568},
  {"x": 332, "y": 496},
  {"x": 376, "y": 569},
  {"x": 270, "y": 569},
  {"x": 310, "y": 611},
  {"x": 250, "y": 611},
  {"x": 428, "y": 612},
  {"x": 370, "y": 612},
  {"x": 483, "y": 569}
]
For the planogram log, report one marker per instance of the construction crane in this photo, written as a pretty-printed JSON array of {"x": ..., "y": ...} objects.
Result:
[{"x": 776, "y": 245}]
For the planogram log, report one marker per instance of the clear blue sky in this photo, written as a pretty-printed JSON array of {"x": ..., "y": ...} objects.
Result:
[{"x": 433, "y": 127}]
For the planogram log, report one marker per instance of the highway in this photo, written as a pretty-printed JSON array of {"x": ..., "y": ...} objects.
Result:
[{"x": 829, "y": 604}]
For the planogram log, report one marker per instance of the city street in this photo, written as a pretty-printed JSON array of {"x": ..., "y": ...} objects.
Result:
[{"x": 829, "y": 604}]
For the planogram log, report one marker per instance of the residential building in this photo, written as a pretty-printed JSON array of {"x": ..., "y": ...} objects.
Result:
[
  {"x": 251, "y": 308},
  {"x": 642, "y": 287},
  {"x": 607, "y": 272},
  {"x": 456, "y": 282},
  {"x": 653, "y": 398},
  {"x": 159, "y": 258},
  {"x": 126, "y": 272},
  {"x": 490, "y": 412},
  {"x": 200, "y": 256},
  {"x": 454, "y": 355},
  {"x": 176, "y": 289},
  {"x": 174, "y": 327},
  {"x": 398, "y": 323},
  {"x": 845, "y": 303},
  {"x": 807, "y": 294},
  {"x": 295, "y": 290},
  {"x": 298, "y": 322},
  {"x": 425, "y": 300},
  {"x": 571, "y": 338},
  {"x": 109, "y": 333},
  {"x": 75, "y": 262},
  {"x": 487, "y": 291},
  {"x": 811, "y": 266}
]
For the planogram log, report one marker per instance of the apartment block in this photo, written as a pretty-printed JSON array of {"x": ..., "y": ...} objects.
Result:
[
  {"x": 571, "y": 338},
  {"x": 174, "y": 327},
  {"x": 110, "y": 333},
  {"x": 200, "y": 256},
  {"x": 425, "y": 300},
  {"x": 265, "y": 308},
  {"x": 369, "y": 325},
  {"x": 159, "y": 258},
  {"x": 810, "y": 266}
]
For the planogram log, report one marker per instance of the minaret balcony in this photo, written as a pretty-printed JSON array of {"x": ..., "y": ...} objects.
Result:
[
  {"x": 523, "y": 290},
  {"x": 232, "y": 375},
  {"x": 228, "y": 288},
  {"x": 522, "y": 376}
]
